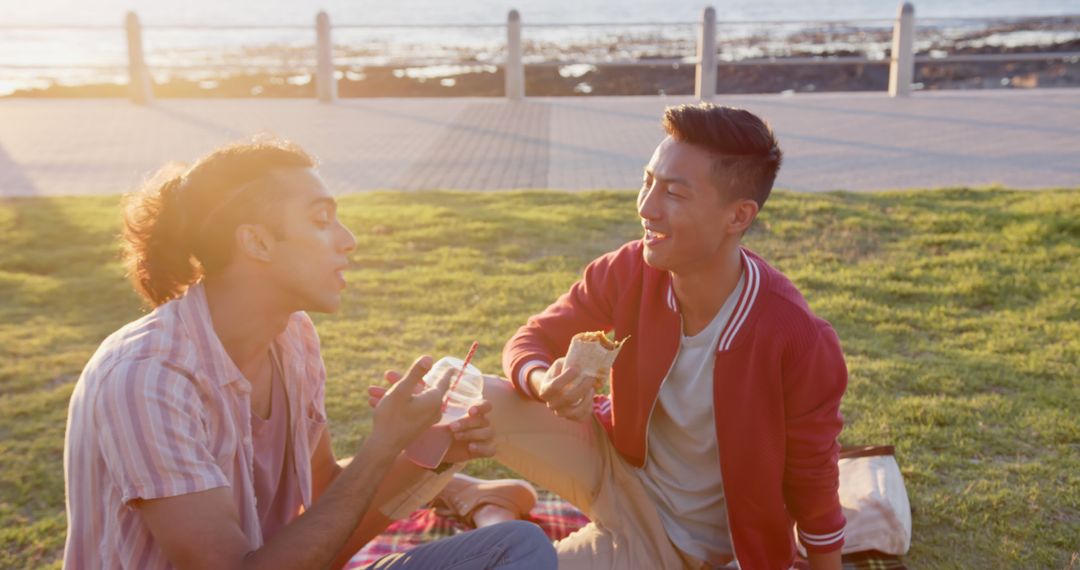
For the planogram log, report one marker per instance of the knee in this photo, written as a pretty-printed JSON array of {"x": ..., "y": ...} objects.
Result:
[
  {"x": 524, "y": 531},
  {"x": 504, "y": 399},
  {"x": 528, "y": 541},
  {"x": 496, "y": 388}
]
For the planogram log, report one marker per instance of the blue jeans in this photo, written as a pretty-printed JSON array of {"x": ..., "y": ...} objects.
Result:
[{"x": 513, "y": 545}]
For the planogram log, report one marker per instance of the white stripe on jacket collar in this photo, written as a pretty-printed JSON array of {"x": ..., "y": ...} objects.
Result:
[
  {"x": 746, "y": 303},
  {"x": 742, "y": 310},
  {"x": 671, "y": 302}
]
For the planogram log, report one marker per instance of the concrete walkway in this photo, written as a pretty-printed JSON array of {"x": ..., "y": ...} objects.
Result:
[{"x": 853, "y": 141}]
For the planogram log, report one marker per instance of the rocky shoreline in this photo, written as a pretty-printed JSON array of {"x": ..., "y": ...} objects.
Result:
[
  {"x": 481, "y": 79},
  {"x": 612, "y": 80}
]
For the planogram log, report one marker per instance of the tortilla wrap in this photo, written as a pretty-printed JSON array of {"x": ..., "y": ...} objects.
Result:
[{"x": 593, "y": 354}]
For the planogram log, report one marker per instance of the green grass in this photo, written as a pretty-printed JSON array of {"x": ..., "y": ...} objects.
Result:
[{"x": 959, "y": 312}]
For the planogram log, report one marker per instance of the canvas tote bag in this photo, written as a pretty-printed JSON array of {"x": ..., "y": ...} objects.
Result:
[{"x": 874, "y": 501}]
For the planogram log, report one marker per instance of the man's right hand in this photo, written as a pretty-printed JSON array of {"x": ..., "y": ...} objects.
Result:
[
  {"x": 408, "y": 407},
  {"x": 564, "y": 390}
]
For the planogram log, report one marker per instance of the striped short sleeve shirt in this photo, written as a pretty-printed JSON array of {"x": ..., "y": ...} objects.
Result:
[{"x": 160, "y": 411}]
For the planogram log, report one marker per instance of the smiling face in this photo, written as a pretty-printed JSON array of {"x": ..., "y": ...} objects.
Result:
[
  {"x": 688, "y": 224},
  {"x": 309, "y": 260}
]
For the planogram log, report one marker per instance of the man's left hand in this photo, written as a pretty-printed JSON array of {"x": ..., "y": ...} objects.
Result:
[{"x": 474, "y": 438}]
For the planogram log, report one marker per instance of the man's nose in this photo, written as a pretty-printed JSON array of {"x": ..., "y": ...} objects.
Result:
[
  {"x": 348, "y": 240},
  {"x": 646, "y": 204}
]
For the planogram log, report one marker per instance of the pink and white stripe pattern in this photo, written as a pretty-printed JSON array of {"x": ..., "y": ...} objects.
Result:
[{"x": 159, "y": 411}]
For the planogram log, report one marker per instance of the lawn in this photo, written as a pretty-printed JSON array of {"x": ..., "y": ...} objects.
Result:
[{"x": 959, "y": 312}]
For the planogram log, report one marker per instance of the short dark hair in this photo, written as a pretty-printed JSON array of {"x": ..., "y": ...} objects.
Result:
[{"x": 747, "y": 154}]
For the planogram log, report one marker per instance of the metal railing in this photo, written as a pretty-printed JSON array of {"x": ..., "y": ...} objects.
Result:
[{"x": 901, "y": 57}]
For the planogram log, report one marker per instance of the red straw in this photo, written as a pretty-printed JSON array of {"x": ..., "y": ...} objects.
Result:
[{"x": 468, "y": 359}]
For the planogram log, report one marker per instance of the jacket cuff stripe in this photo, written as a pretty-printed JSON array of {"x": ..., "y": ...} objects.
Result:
[
  {"x": 821, "y": 539},
  {"x": 523, "y": 376}
]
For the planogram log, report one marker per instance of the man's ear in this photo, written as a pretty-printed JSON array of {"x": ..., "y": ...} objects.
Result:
[
  {"x": 254, "y": 241},
  {"x": 743, "y": 213}
]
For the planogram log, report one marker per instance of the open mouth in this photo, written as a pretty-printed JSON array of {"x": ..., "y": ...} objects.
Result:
[{"x": 653, "y": 237}]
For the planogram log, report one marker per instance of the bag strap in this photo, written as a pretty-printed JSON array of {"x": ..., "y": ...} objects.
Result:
[{"x": 851, "y": 452}]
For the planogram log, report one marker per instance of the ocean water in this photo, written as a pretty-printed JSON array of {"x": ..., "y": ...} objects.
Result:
[
  {"x": 292, "y": 12},
  {"x": 73, "y": 41}
]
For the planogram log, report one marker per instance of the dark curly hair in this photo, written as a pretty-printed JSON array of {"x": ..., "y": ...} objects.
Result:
[{"x": 168, "y": 239}]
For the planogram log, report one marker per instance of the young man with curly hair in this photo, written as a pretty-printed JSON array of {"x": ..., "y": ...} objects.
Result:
[{"x": 197, "y": 435}]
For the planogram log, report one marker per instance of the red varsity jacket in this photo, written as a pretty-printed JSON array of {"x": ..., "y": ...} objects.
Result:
[{"x": 777, "y": 384}]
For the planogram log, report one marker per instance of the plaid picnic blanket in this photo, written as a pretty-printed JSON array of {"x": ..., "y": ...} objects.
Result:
[{"x": 558, "y": 519}]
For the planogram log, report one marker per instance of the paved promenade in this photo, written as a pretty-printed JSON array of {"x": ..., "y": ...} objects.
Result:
[{"x": 852, "y": 141}]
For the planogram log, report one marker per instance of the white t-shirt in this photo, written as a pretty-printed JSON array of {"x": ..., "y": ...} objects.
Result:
[{"x": 682, "y": 469}]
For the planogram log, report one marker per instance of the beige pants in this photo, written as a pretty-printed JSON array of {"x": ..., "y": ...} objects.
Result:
[{"x": 577, "y": 461}]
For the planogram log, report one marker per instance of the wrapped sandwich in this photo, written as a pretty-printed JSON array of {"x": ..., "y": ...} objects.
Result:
[{"x": 593, "y": 353}]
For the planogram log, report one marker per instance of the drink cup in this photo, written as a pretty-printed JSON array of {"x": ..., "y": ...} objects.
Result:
[{"x": 431, "y": 446}]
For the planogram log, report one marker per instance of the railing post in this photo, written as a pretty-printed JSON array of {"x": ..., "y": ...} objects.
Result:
[
  {"x": 902, "y": 64},
  {"x": 139, "y": 84},
  {"x": 514, "y": 68},
  {"x": 705, "y": 77},
  {"x": 325, "y": 81}
]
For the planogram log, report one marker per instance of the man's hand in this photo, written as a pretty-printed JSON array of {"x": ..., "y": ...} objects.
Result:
[
  {"x": 568, "y": 393},
  {"x": 408, "y": 407},
  {"x": 203, "y": 530},
  {"x": 474, "y": 437}
]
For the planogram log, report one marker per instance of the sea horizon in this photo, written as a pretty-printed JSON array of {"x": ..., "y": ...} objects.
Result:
[{"x": 374, "y": 12}]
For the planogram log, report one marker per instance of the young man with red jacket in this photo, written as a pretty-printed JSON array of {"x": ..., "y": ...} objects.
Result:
[{"x": 720, "y": 432}]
